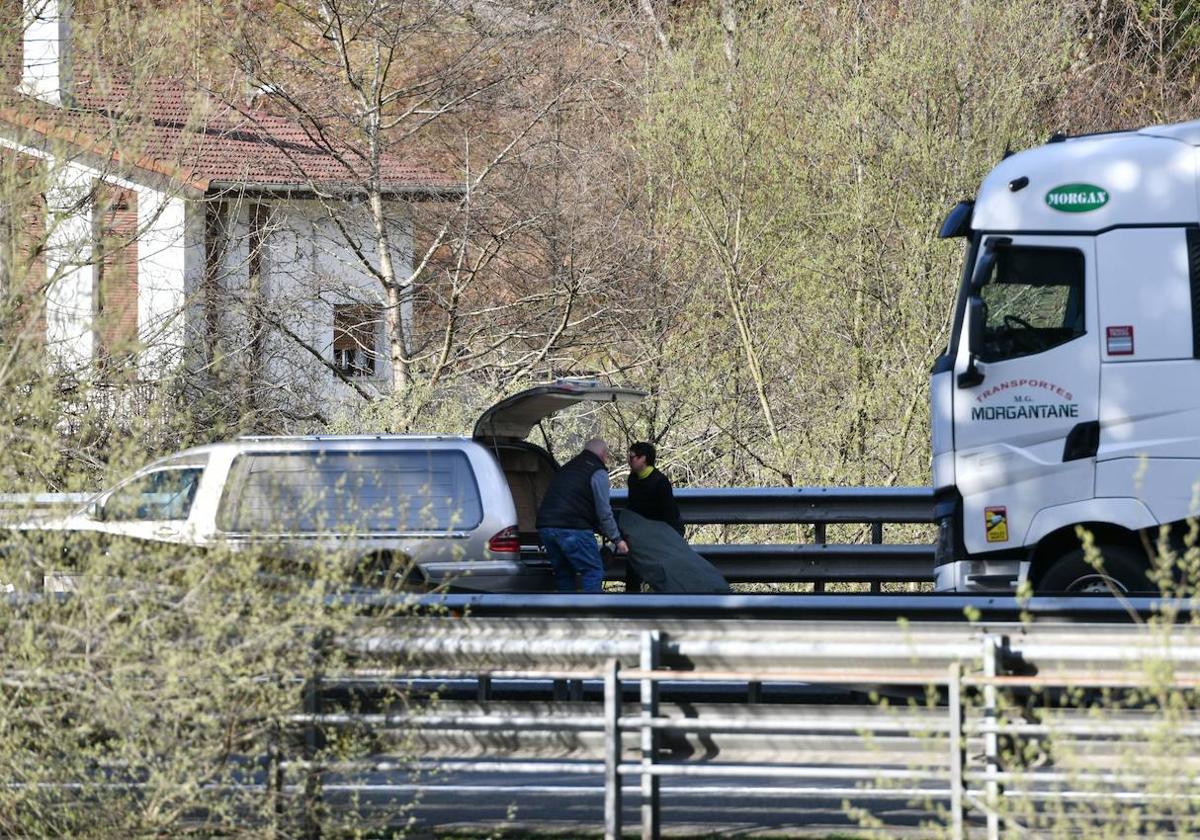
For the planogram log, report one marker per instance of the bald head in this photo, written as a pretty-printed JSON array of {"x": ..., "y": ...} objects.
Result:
[{"x": 598, "y": 447}]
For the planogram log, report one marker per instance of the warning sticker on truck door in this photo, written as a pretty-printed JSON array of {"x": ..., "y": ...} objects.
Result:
[{"x": 996, "y": 523}]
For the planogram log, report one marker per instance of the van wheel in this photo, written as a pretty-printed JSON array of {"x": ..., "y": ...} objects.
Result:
[{"x": 1123, "y": 570}]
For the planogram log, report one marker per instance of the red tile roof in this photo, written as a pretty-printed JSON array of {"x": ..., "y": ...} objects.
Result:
[{"x": 206, "y": 142}]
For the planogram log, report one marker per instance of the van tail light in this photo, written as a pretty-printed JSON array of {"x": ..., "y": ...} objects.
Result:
[{"x": 505, "y": 542}]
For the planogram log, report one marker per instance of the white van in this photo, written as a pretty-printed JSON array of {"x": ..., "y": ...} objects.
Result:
[
  {"x": 461, "y": 510},
  {"x": 1069, "y": 395}
]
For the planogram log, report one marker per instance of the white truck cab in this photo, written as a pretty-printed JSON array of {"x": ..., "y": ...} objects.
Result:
[{"x": 1069, "y": 394}]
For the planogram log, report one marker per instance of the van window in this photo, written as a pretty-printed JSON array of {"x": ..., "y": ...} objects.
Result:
[
  {"x": 157, "y": 496},
  {"x": 351, "y": 492},
  {"x": 1033, "y": 300}
]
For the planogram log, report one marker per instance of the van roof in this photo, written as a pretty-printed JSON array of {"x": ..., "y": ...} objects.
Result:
[{"x": 339, "y": 438}]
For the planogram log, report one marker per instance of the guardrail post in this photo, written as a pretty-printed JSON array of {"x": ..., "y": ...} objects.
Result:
[
  {"x": 275, "y": 758},
  {"x": 311, "y": 818},
  {"x": 876, "y": 539},
  {"x": 650, "y": 659},
  {"x": 991, "y": 739},
  {"x": 957, "y": 752},
  {"x": 612, "y": 750},
  {"x": 819, "y": 539}
]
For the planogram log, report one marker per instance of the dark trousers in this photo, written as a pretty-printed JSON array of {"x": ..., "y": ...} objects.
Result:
[{"x": 574, "y": 553}]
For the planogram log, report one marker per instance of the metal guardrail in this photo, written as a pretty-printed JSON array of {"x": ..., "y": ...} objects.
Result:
[
  {"x": 800, "y": 505},
  {"x": 963, "y": 747},
  {"x": 998, "y": 720},
  {"x": 38, "y": 505},
  {"x": 714, "y": 505},
  {"x": 927, "y": 607},
  {"x": 818, "y": 562}
]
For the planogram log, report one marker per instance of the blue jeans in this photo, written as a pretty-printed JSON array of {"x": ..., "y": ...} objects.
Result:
[{"x": 574, "y": 553}]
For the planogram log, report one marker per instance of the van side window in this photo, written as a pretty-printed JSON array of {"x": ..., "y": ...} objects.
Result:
[
  {"x": 351, "y": 492},
  {"x": 162, "y": 495},
  {"x": 1033, "y": 301}
]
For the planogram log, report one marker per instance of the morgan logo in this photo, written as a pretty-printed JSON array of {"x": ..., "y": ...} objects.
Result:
[{"x": 1076, "y": 198}]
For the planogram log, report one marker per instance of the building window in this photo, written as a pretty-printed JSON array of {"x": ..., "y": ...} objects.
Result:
[{"x": 356, "y": 330}]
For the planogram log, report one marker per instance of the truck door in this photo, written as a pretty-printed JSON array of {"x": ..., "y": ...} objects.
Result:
[{"x": 1027, "y": 379}]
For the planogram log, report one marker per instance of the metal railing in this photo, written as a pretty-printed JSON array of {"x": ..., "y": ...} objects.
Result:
[
  {"x": 963, "y": 747},
  {"x": 39, "y": 505},
  {"x": 818, "y": 562},
  {"x": 800, "y": 505},
  {"x": 1001, "y": 716}
]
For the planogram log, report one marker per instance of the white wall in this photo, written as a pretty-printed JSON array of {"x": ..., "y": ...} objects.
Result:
[
  {"x": 192, "y": 329},
  {"x": 312, "y": 268},
  {"x": 163, "y": 273},
  {"x": 308, "y": 269},
  {"x": 167, "y": 261},
  {"x": 69, "y": 296},
  {"x": 46, "y": 66}
]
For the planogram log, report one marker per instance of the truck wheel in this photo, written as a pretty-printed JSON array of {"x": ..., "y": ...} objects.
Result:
[{"x": 1124, "y": 570}]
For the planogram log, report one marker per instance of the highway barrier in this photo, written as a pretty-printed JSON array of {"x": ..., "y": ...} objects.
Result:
[
  {"x": 874, "y": 562},
  {"x": 988, "y": 723}
]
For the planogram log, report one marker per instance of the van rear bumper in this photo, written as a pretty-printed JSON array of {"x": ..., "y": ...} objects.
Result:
[{"x": 490, "y": 576}]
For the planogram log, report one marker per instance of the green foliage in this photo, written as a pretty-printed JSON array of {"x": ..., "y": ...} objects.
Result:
[
  {"x": 799, "y": 194},
  {"x": 147, "y": 698}
]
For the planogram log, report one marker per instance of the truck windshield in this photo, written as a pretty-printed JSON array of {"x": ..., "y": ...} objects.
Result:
[{"x": 1033, "y": 300}]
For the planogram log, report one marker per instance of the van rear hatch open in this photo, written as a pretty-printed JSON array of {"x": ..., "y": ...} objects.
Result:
[
  {"x": 504, "y": 427},
  {"x": 513, "y": 418}
]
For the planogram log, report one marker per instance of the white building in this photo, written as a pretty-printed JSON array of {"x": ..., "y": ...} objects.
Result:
[{"x": 179, "y": 230}]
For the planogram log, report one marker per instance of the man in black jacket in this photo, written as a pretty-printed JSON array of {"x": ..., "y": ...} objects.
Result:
[
  {"x": 650, "y": 493},
  {"x": 576, "y": 506}
]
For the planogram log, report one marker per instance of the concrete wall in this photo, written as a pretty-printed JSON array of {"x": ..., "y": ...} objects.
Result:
[{"x": 309, "y": 267}]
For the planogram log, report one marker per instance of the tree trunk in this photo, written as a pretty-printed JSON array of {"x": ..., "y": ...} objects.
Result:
[{"x": 399, "y": 296}]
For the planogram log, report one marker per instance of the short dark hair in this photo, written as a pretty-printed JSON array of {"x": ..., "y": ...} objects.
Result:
[{"x": 642, "y": 448}]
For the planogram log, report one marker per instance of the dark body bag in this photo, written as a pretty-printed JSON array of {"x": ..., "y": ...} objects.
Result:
[{"x": 664, "y": 560}]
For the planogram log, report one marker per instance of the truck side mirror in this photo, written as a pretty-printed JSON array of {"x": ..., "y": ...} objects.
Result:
[{"x": 976, "y": 315}]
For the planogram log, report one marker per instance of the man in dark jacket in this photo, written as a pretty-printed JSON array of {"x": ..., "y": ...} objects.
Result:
[
  {"x": 575, "y": 507},
  {"x": 650, "y": 493}
]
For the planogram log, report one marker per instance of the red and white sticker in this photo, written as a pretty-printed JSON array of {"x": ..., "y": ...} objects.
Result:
[{"x": 1119, "y": 340}]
